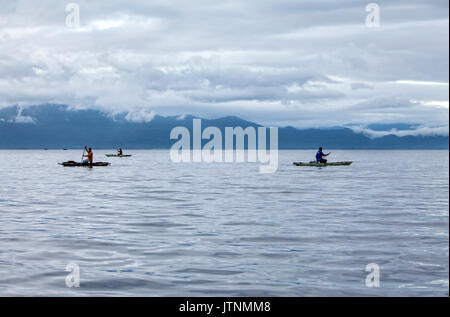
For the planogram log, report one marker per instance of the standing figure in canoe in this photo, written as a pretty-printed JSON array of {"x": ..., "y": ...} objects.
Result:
[
  {"x": 320, "y": 156},
  {"x": 120, "y": 152},
  {"x": 89, "y": 155},
  {"x": 89, "y": 162}
]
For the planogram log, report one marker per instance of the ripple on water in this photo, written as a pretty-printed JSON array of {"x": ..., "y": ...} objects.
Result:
[{"x": 147, "y": 227}]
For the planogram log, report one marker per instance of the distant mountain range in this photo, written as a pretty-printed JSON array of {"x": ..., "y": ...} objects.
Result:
[{"x": 57, "y": 127}]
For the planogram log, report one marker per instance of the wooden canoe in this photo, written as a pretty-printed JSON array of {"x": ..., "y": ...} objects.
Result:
[
  {"x": 77, "y": 164},
  {"x": 116, "y": 155},
  {"x": 346, "y": 163}
]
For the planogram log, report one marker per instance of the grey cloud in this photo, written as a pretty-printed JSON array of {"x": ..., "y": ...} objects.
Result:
[
  {"x": 304, "y": 63},
  {"x": 356, "y": 86}
]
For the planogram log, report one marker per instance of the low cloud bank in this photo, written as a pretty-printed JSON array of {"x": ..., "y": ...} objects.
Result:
[{"x": 422, "y": 131}]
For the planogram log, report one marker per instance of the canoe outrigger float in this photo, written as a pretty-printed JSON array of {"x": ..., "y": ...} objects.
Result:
[
  {"x": 77, "y": 164},
  {"x": 117, "y": 155},
  {"x": 312, "y": 163}
]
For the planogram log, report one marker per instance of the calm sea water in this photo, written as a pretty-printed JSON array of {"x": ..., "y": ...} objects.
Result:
[{"x": 145, "y": 226}]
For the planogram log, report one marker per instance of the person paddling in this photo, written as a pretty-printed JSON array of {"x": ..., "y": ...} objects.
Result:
[
  {"x": 120, "y": 152},
  {"x": 90, "y": 157},
  {"x": 320, "y": 156}
]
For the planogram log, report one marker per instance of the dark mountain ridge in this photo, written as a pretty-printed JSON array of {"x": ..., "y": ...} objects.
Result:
[{"x": 56, "y": 127}]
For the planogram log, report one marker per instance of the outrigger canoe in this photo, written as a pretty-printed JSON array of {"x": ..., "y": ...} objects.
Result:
[
  {"x": 323, "y": 164},
  {"x": 76, "y": 164},
  {"x": 117, "y": 155}
]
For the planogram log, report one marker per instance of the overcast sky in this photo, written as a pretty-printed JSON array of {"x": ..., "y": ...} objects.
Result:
[{"x": 277, "y": 62}]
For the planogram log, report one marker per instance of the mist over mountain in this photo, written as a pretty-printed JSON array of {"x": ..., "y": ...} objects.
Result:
[{"x": 57, "y": 127}]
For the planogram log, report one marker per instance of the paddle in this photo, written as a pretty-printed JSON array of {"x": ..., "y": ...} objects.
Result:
[{"x": 85, "y": 148}]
